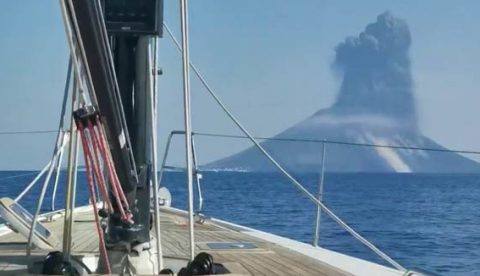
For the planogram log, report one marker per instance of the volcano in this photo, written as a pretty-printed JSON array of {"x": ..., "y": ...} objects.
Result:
[{"x": 375, "y": 105}]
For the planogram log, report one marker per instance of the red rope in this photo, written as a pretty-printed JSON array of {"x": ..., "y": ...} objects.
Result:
[
  {"x": 98, "y": 172},
  {"x": 99, "y": 177},
  {"x": 88, "y": 160},
  {"x": 106, "y": 149},
  {"x": 96, "y": 150},
  {"x": 116, "y": 187}
]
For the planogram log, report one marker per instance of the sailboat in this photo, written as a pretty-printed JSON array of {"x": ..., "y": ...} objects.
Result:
[{"x": 109, "y": 115}]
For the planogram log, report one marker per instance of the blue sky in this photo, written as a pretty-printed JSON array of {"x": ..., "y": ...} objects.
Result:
[{"x": 269, "y": 60}]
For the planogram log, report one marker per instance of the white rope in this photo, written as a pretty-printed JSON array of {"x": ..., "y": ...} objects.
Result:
[
  {"x": 39, "y": 175},
  {"x": 44, "y": 189},
  {"x": 60, "y": 143},
  {"x": 281, "y": 169},
  {"x": 58, "y": 171}
]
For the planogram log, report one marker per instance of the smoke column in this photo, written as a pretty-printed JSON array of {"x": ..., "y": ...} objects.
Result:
[{"x": 376, "y": 72}]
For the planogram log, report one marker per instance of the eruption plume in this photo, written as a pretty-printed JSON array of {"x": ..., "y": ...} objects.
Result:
[
  {"x": 375, "y": 105},
  {"x": 376, "y": 71}
]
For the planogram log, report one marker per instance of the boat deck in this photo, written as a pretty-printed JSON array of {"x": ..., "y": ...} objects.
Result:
[{"x": 250, "y": 255}]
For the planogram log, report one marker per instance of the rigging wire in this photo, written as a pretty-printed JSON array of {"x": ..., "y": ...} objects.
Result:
[
  {"x": 19, "y": 175},
  {"x": 306, "y": 140},
  {"x": 28, "y": 132},
  {"x": 294, "y": 181},
  {"x": 327, "y": 141}
]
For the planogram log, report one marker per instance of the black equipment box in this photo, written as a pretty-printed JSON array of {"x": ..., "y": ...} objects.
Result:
[{"x": 136, "y": 17}]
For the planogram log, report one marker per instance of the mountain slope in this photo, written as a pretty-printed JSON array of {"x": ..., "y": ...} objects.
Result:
[
  {"x": 326, "y": 125},
  {"x": 375, "y": 105}
]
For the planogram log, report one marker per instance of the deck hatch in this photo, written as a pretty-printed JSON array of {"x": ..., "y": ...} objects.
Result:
[{"x": 231, "y": 245}]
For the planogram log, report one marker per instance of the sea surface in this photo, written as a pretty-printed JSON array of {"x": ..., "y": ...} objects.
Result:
[{"x": 429, "y": 223}]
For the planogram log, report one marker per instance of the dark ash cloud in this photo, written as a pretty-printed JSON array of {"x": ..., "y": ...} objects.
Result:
[{"x": 376, "y": 71}]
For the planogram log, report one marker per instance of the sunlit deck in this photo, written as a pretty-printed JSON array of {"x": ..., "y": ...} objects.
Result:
[{"x": 245, "y": 251}]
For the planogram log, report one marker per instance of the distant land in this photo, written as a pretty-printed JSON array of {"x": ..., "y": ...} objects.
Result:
[{"x": 375, "y": 105}]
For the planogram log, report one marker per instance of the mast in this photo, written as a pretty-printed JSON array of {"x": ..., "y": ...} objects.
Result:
[
  {"x": 188, "y": 121},
  {"x": 114, "y": 43}
]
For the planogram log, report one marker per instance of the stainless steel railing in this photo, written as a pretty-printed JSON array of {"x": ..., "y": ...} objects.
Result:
[{"x": 298, "y": 185}]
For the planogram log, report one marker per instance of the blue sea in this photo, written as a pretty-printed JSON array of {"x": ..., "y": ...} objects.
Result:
[{"x": 426, "y": 222}]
